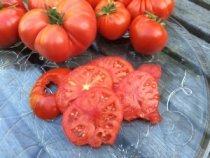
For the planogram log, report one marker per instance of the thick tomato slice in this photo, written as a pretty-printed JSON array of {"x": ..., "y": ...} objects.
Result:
[
  {"x": 94, "y": 118},
  {"x": 81, "y": 79},
  {"x": 139, "y": 95},
  {"x": 43, "y": 104},
  {"x": 118, "y": 67},
  {"x": 153, "y": 69}
]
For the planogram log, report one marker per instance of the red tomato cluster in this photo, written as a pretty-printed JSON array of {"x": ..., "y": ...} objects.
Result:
[
  {"x": 59, "y": 29},
  {"x": 96, "y": 97}
]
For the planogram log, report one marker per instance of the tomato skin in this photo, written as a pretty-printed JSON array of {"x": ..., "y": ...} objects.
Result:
[
  {"x": 59, "y": 42},
  {"x": 147, "y": 36},
  {"x": 93, "y": 3},
  {"x": 125, "y": 2},
  {"x": 42, "y": 4},
  {"x": 81, "y": 79},
  {"x": 10, "y": 17},
  {"x": 153, "y": 69},
  {"x": 118, "y": 67},
  {"x": 44, "y": 105},
  {"x": 94, "y": 118},
  {"x": 115, "y": 24},
  {"x": 162, "y": 8},
  {"x": 139, "y": 96}
]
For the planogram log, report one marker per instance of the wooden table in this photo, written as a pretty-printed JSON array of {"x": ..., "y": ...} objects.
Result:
[{"x": 194, "y": 15}]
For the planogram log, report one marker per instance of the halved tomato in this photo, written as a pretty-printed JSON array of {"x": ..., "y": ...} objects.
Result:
[
  {"x": 153, "y": 69},
  {"x": 43, "y": 104},
  {"x": 139, "y": 95},
  {"x": 81, "y": 79},
  {"x": 94, "y": 118},
  {"x": 118, "y": 67}
]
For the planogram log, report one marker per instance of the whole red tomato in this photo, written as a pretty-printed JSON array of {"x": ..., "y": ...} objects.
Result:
[
  {"x": 113, "y": 19},
  {"x": 147, "y": 36},
  {"x": 161, "y": 8},
  {"x": 43, "y": 4},
  {"x": 11, "y": 12},
  {"x": 60, "y": 33},
  {"x": 93, "y": 3}
]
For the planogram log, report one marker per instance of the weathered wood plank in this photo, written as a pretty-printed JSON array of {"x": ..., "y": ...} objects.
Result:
[
  {"x": 195, "y": 18},
  {"x": 202, "y": 3}
]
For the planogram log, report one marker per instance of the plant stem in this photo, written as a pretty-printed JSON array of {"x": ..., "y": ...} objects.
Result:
[{"x": 106, "y": 10}]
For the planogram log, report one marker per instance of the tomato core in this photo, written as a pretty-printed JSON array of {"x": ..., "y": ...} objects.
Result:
[{"x": 55, "y": 17}]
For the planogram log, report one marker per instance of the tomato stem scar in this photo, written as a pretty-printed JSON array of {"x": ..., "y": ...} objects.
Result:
[
  {"x": 106, "y": 10},
  {"x": 55, "y": 17}
]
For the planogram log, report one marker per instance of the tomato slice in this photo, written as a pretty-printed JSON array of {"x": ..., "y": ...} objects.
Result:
[
  {"x": 118, "y": 67},
  {"x": 81, "y": 79},
  {"x": 139, "y": 95},
  {"x": 43, "y": 104},
  {"x": 94, "y": 118},
  {"x": 153, "y": 69}
]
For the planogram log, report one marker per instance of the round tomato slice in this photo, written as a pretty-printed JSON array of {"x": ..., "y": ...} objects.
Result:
[
  {"x": 43, "y": 104},
  {"x": 118, "y": 67},
  {"x": 94, "y": 118},
  {"x": 139, "y": 95},
  {"x": 81, "y": 79},
  {"x": 153, "y": 69}
]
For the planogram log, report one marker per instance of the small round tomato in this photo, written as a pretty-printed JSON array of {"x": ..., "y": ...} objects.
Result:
[
  {"x": 161, "y": 8},
  {"x": 81, "y": 79},
  {"x": 147, "y": 36},
  {"x": 59, "y": 33},
  {"x": 138, "y": 93},
  {"x": 93, "y": 3},
  {"x": 94, "y": 118},
  {"x": 113, "y": 19},
  {"x": 118, "y": 67},
  {"x": 44, "y": 104},
  {"x": 11, "y": 12},
  {"x": 153, "y": 69},
  {"x": 42, "y": 4}
]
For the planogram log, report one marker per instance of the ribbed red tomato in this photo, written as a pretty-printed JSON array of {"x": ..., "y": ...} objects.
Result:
[
  {"x": 11, "y": 11},
  {"x": 113, "y": 19},
  {"x": 42, "y": 4},
  {"x": 81, "y": 79},
  {"x": 44, "y": 104},
  {"x": 94, "y": 118},
  {"x": 60, "y": 33},
  {"x": 139, "y": 95},
  {"x": 147, "y": 36},
  {"x": 93, "y": 3},
  {"x": 162, "y": 8}
]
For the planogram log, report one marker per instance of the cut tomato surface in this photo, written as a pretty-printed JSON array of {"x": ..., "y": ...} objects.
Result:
[
  {"x": 139, "y": 95},
  {"x": 94, "y": 118},
  {"x": 118, "y": 67},
  {"x": 44, "y": 104},
  {"x": 81, "y": 79},
  {"x": 153, "y": 69}
]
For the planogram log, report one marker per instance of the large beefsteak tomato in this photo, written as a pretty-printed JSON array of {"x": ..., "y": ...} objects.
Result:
[
  {"x": 60, "y": 33},
  {"x": 42, "y": 4},
  {"x": 11, "y": 12}
]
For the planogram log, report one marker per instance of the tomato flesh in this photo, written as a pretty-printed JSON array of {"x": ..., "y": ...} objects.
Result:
[
  {"x": 81, "y": 79},
  {"x": 139, "y": 95},
  {"x": 44, "y": 104},
  {"x": 118, "y": 67},
  {"x": 94, "y": 118},
  {"x": 153, "y": 69}
]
